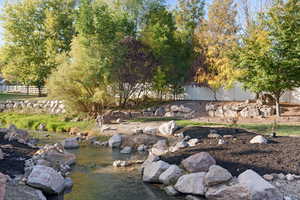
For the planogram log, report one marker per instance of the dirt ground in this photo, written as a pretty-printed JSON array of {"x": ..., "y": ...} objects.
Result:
[
  {"x": 13, "y": 163},
  {"x": 281, "y": 155}
]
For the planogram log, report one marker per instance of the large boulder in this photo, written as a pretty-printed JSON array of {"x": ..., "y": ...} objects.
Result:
[
  {"x": 168, "y": 128},
  {"x": 150, "y": 130},
  {"x": 160, "y": 148},
  {"x": 151, "y": 158},
  {"x": 22, "y": 192},
  {"x": 217, "y": 175},
  {"x": 14, "y": 134},
  {"x": 154, "y": 170},
  {"x": 259, "y": 140},
  {"x": 115, "y": 141},
  {"x": 191, "y": 184},
  {"x": 258, "y": 187},
  {"x": 126, "y": 150},
  {"x": 55, "y": 154},
  {"x": 170, "y": 175},
  {"x": 46, "y": 179},
  {"x": 199, "y": 162},
  {"x": 224, "y": 192},
  {"x": 70, "y": 143}
]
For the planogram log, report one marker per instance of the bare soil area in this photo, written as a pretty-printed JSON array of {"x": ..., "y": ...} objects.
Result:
[{"x": 281, "y": 155}]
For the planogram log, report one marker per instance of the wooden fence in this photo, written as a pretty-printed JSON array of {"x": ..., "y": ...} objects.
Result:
[{"x": 21, "y": 89}]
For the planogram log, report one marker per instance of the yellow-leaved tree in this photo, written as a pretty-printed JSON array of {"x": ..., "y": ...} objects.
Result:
[{"x": 216, "y": 38}]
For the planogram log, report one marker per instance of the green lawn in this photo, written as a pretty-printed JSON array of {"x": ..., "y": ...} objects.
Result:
[
  {"x": 54, "y": 123},
  {"x": 13, "y": 96}
]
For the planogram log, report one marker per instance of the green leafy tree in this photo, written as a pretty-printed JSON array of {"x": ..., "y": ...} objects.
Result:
[
  {"x": 269, "y": 56},
  {"x": 35, "y": 32}
]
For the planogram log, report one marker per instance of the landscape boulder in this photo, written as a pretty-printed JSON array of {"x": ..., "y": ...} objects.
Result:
[
  {"x": 167, "y": 129},
  {"x": 115, "y": 141},
  {"x": 171, "y": 191},
  {"x": 22, "y": 192},
  {"x": 258, "y": 187},
  {"x": 151, "y": 158},
  {"x": 259, "y": 140},
  {"x": 228, "y": 192},
  {"x": 199, "y": 162},
  {"x": 70, "y": 143},
  {"x": 171, "y": 175},
  {"x": 14, "y": 134},
  {"x": 46, "y": 179},
  {"x": 150, "y": 130},
  {"x": 160, "y": 148},
  {"x": 191, "y": 184},
  {"x": 217, "y": 175},
  {"x": 193, "y": 142},
  {"x": 154, "y": 170}
]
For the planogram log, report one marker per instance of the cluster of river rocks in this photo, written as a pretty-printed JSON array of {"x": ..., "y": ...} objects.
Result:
[
  {"x": 235, "y": 110},
  {"x": 47, "y": 106},
  {"x": 45, "y": 173}
]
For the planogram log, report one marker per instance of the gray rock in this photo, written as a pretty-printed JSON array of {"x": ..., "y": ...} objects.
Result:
[
  {"x": 160, "y": 112},
  {"x": 217, "y": 175},
  {"x": 170, "y": 190},
  {"x": 182, "y": 144},
  {"x": 259, "y": 140},
  {"x": 160, "y": 148},
  {"x": 193, "y": 142},
  {"x": 221, "y": 142},
  {"x": 224, "y": 192},
  {"x": 1, "y": 154},
  {"x": 154, "y": 170},
  {"x": 150, "y": 130},
  {"x": 14, "y": 134},
  {"x": 22, "y": 192},
  {"x": 46, "y": 179},
  {"x": 151, "y": 158},
  {"x": 199, "y": 162},
  {"x": 142, "y": 148},
  {"x": 191, "y": 184},
  {"x": 168, "y": 128},
  {"x": 68, "y": 183},
  {"x": 126, "y": 150},
  {"x": 258, "y": 187},
  {"x": 115, "y": 141},
  {"x": 70, "y": 143},
  {"x": 171, "y": 175}
]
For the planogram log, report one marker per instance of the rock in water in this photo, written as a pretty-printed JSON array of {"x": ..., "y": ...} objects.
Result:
[
  {"x": 191, "y": 184},
  {"x": 115, "y": 141},
  {"x": 70, "y": 143},
  {"x": 153, "y": 170},
  {"x": 46, "y": 179},
  {"x": 126, "y": 150},
  {"x": 217, "y": 175},
  {"x": 168, "y": 128},
  {"x": 170, "y": 190},
  {"x": 259, "y": 140},
  {"x": 170, "y": 175},
  {"x": 258, "y": 187},
  {"x": 199, "y": 162}
]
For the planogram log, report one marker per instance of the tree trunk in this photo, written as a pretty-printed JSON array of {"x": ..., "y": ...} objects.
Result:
[
  {"x": 277, "y": 99},
  {"x": 40, "y": 91}
]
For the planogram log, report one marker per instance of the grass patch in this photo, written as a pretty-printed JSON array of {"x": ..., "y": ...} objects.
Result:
[
  {"x": 192, "y": 123},
  {"x": 54, "y": 123},
  {"x": 15, "y": 96}
]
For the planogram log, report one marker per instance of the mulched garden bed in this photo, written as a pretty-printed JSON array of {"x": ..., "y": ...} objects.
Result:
[
  {"x": 13, "y": 162},
  {"x": 281, "y": 155}
]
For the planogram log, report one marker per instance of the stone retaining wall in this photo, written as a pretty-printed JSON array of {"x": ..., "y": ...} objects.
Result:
[{"x": 48, "y": 106}]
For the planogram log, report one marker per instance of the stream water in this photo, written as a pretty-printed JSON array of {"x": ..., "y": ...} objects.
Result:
[{"x": 96, "y": 179}]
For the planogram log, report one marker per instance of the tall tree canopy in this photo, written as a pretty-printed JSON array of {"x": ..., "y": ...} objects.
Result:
[
  {"x": 270, "y": 54},
  {"x": 35, "y": 32},
  {"x": 217, "y": 36}
]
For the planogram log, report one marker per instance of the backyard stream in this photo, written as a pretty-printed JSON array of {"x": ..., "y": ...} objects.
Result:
[{"x": 95, "y": 178}]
